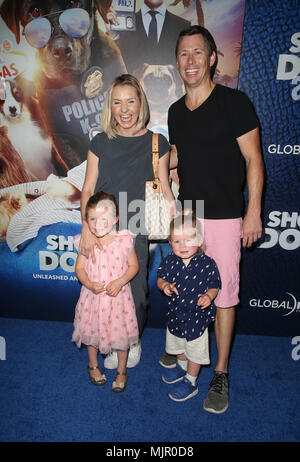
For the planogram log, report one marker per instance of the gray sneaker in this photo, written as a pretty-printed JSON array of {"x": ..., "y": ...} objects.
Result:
[
  {"x": 217, "y": 396},
  {"x": 168, "y": 361}
]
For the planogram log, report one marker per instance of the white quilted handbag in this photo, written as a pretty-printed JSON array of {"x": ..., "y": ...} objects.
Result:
[{"x": 157, "y": 219}]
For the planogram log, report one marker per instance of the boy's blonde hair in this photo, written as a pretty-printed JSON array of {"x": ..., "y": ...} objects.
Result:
[
  {"x": 187, "y": 219},
  {"x": 108, "y": 121}
]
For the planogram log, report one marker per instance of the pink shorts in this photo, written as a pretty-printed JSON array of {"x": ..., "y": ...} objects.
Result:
[{"x": 222, "y": 242}]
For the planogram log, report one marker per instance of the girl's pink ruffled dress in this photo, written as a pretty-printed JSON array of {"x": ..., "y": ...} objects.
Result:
[{"x": 100, "y": 320}]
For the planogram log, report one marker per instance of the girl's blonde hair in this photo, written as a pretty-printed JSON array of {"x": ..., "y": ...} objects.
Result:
[{"x": 108, "y": 121}]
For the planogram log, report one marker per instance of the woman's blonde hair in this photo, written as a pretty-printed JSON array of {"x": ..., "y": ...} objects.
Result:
[{"x": 108, "y": 121}]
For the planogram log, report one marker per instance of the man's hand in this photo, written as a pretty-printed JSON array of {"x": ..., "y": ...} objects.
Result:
[
  {"x": 249, "y": 144},
  {"x": 251, "y": 229}
]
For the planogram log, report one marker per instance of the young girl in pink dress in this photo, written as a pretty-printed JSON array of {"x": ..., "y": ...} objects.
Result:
[{"x": 105, "y": 316}]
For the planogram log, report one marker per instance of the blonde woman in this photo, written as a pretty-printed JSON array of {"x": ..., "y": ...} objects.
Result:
[{"x": 119, "y": 162}]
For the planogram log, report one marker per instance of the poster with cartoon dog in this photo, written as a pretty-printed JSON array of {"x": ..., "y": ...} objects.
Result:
[{"x": 57, "y": 58}]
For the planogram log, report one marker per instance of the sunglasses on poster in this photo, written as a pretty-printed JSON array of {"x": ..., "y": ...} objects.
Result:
[{"x": 75, "y": 22}]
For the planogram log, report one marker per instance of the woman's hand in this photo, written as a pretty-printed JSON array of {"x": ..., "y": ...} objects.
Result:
[
  {"x": 163, "y": 174},
  {"x": 87, "y": 243}
]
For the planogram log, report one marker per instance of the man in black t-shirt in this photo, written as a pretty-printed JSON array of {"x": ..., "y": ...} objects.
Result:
[{"x": 213, "y": 131}]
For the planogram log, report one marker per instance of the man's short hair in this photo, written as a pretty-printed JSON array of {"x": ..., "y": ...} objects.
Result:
[{"x": 209, "y": 41}]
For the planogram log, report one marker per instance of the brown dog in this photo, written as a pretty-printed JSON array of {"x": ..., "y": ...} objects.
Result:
[
  {"x": 66, "y": 66},
  {"x": 10, "y": 203},
  {"x": 12, "y": 167},
  {"x": 13, "y": 200}
]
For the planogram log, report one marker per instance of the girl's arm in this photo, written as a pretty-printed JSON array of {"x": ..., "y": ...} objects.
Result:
[
  {"x": 88, "y": 240},
  {"x": 114, "y": 287},
  {"x": 163, "y": 174},
  {"x": 95, "y": 287}
]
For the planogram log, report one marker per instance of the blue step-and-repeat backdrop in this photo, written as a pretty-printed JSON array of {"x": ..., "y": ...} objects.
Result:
[{"x": 49, "y": 111}]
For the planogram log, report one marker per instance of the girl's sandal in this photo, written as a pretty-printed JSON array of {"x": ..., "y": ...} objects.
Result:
[
  {"x": 96, "y": 380},
  {"x": 119, "y": 387}
]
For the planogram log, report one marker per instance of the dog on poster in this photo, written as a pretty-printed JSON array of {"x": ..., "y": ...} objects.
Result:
[
  {"x": 76, "y": 62},
  {"x": 12, "y": 167},
  {"x": 159, "y": 84},
  {"x": 18, "y": 114},
  {"x": 63, "y": 194}
]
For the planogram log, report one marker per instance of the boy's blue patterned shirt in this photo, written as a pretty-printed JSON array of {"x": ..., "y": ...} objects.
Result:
[{"x": 185, "y": 318}]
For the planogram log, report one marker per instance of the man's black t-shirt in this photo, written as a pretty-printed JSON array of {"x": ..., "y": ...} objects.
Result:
[{"x": 210, "y": 164}]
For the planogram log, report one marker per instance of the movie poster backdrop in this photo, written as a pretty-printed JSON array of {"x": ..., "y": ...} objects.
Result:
[{"x": 56, "y": 64}]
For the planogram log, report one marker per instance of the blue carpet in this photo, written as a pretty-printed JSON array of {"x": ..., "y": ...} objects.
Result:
[{"x": 46, "y": 395}]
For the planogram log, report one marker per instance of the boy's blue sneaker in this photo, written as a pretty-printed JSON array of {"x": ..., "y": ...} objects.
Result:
[
  {"x": 173, "y": 375},
  {"x": 183, "y": 390}
]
